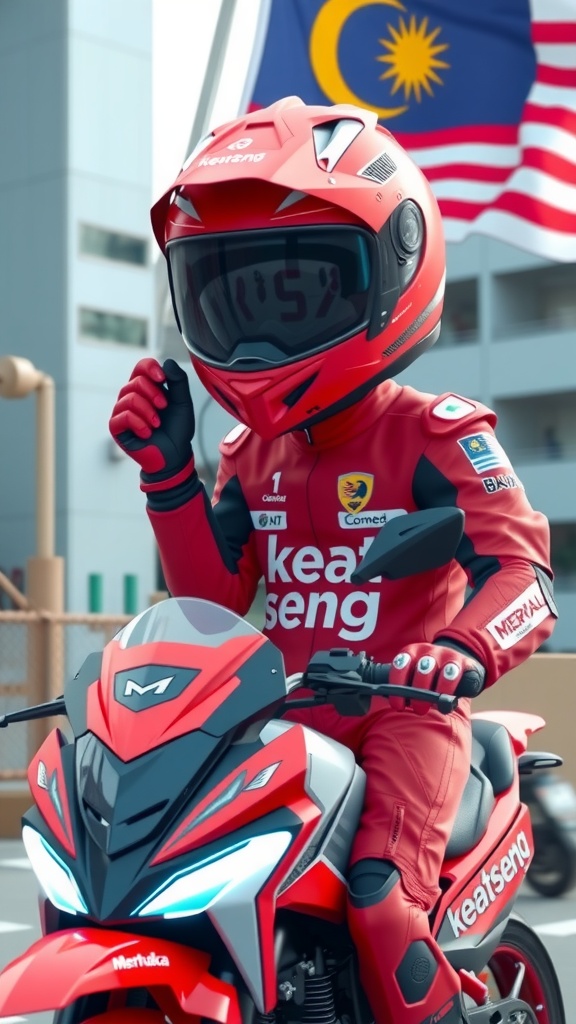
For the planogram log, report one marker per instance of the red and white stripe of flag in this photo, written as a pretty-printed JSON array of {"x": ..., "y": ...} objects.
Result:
[{"x": 517, "y": 183}]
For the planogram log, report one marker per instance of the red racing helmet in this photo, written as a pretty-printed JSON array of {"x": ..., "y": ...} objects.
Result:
[{"x": 306, "y": 261}]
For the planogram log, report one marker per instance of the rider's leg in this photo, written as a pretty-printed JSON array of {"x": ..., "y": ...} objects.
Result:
[
  {"x": 416, "y": 770},
  {"x": 405, "y": 975}
]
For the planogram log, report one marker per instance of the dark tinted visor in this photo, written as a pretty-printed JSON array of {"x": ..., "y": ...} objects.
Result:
[{"x": 272, "y": 295}]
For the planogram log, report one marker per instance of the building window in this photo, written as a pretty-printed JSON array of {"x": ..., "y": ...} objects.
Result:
[
  {"x": 563, "y": 554},
  {"x": 98, "y": 325},
  {"x": 460, "y": 313},
  {"x": 532, "y": 301},
  {"x": 113, "y": 245}
]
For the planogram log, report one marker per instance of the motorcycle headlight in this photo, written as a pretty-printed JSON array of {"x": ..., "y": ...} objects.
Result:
[
  {"x": 54, "y": 876},
  {"x": 195, "y": 890}
]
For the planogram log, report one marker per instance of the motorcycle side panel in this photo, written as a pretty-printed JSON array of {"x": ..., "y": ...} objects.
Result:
[
  {"x": 320, "y": 889},
  {"x": 271, "y": 778},
  {"x": 61, "y": 968},
  {"x": 48, "y": 787},
  {"x": 469, "y": 910},
  {"x": 245, "y": 919}
]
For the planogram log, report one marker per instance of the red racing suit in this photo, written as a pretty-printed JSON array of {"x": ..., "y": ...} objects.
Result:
[{"x": 300, "y": 511}]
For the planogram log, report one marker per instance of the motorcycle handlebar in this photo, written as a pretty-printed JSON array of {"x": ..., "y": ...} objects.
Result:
[
  {"x": 377, "y": 675},
  {"x": 338, "y": 674}
]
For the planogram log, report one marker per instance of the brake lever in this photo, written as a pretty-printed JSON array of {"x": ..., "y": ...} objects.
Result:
[
  {"x": 445, "y": 703},
  {"x": 341, "y": 690}
]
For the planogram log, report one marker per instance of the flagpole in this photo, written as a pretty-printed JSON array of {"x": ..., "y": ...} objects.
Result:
[
  {"x": 257, "y": 51},
  {"x": 200, "y": 124},
  {"x": 216, "y": 59}
]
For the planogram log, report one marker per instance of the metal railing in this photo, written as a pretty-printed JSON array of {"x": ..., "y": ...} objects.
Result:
[{"x": 38, "y": 653}]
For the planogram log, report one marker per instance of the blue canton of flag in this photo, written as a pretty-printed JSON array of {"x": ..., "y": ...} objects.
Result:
[
  {"x": 421, "y": 65},
  {"x": 484, "y": 452}
]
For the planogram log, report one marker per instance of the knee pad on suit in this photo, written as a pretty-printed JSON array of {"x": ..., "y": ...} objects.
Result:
[
  {"x": 393, "y": 934},
  {"x": 370, "y": 881}
]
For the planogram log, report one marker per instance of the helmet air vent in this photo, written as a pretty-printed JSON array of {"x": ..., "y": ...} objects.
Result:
[
  {"x": 297, "y": 393},
  {"x": 331, "y": 140},
  {"x": 186, "y": 206},
  {"x": 291, "y": 198},
  {"x": 379, "y": 170},
  {"x": 228, "y": 403}
]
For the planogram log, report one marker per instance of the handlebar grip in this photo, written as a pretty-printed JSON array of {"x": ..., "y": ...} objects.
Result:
[
  {"x": 375, "y": 673},
  {"x": 471, "y": 684}
]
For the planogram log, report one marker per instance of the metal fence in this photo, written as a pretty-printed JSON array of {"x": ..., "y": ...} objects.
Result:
[{"x": 38, "y": 653}]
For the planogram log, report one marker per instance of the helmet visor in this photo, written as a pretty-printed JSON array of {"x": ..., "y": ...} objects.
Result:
[{"x": 256, "y": 297}]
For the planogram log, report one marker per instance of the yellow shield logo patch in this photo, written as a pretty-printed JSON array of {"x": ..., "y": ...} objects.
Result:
[{"x": 355, "y": 490}]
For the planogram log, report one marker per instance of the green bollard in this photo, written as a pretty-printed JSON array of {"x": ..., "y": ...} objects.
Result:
[
  {"x": 95, "y": 592},
  {"x": 130, "y": 594}
]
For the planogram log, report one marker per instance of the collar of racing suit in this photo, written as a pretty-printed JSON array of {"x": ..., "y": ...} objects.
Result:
[{"x": 350, "y": 422}]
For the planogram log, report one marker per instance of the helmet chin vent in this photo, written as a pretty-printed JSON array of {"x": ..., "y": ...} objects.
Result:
[
  {"x": 382, "y": 168},
  {"x": 228, "y": 403},
  {"x": 297, "y": 393}
]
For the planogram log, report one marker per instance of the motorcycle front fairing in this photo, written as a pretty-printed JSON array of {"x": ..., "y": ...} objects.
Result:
[
  {"x": 156, "y": 722},
  {"x": 141, "y": 840},
  {"x": 61, "y": 968}
]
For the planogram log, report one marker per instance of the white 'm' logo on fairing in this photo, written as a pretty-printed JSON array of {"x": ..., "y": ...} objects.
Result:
[{"x": 160, "y": 686}]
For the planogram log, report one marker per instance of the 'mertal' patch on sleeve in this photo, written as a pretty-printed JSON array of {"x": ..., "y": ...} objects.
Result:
[
  {"x": 484, "y": 452},
  {"x": 521, "y": 616}
]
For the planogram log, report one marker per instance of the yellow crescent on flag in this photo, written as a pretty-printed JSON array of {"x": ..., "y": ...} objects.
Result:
[{"x": 324, "y": 39}]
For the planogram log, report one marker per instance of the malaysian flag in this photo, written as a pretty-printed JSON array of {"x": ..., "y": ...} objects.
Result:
[{"x": 482, "y": 95}]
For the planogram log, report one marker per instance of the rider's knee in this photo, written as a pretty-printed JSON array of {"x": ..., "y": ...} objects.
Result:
[{"x": 370, "y": 881}]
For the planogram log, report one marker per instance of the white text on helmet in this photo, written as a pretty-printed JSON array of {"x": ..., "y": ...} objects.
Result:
[{"x": 236, "y": 158}]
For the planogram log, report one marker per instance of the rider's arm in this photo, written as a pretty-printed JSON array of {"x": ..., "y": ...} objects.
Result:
[
  {"x": 206, "y": 550},
  {"x": 505, "y": 550}
]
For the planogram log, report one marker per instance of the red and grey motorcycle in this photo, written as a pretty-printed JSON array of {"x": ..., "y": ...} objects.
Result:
[{"x": 191, "y": 846}]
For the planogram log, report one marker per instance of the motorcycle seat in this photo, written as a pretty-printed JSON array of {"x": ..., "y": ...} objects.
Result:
[{"x": 491, "y": 773}]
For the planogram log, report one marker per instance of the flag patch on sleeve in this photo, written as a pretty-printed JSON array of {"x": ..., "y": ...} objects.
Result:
[{"x": 484, "y": 452}]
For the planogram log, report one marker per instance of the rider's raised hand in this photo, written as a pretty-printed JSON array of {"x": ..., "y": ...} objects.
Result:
[
  {"x": 153, "y": 422},
  {"x": 434, "y": 667}
]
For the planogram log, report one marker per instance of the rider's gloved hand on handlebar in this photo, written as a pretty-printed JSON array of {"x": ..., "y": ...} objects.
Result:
[
  {"x": 153, "y": 422},
  {"x": 434, "y": 667}
]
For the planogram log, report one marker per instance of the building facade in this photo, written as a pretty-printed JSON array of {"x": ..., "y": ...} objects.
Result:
[
  {"x": 509, "y": 340},
  {"x": 76, "y": 278}
]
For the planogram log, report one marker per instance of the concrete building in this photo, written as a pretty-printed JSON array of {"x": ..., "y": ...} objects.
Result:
[
  {"x": 508, "y": 340},
  {"x": 76, "y": 274}
]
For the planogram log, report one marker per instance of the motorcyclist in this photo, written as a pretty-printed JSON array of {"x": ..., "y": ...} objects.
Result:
[{"x": 306, "y": 262}]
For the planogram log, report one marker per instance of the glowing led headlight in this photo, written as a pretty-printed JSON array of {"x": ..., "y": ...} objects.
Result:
[
  {"x": 53, "y": 875},
  {"x": 193, "y": 891}
]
